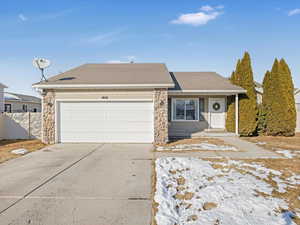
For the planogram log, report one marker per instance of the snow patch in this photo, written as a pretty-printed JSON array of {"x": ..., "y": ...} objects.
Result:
[
  {"x": 236, "y": 194},
  {"x": 200, "y": 146},
  {"x": 20, "y": 151},
  {"x": 261, "y": 143},
  {"x": 287, "y": 154}
]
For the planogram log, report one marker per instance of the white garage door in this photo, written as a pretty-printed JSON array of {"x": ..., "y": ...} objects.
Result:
[{"x": 105, "y": 122}]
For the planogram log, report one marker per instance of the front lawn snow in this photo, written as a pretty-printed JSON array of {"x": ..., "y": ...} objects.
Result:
[
  {"x": 193, "y": 191},
  {"x": 288, "y": 153},
  {"x": 199, "y": 146}
]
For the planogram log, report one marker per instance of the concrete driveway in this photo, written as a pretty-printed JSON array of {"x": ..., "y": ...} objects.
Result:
[{"x": 84, "y": 184}]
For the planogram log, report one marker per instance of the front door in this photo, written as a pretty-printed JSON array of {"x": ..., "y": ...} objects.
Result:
[{"x": 216, "y": 109}]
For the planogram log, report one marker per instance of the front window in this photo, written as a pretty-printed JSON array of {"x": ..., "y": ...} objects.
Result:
[{"x": 185, "y": 109}]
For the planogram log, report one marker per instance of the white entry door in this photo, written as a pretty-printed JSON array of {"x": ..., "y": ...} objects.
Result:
[
  {"x": 122, "y": 121},
  {"x": 216, "y": 108}
]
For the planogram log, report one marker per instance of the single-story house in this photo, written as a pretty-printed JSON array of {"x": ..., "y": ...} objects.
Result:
[
  {"x": 2, "y": 87},
  {"x": 135, "y": 102},
  {"x": 15, "y": 103}
]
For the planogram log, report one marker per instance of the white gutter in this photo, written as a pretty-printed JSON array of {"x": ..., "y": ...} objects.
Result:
[
  {"x": 207, "y": 91},
  {"x": 101, "y": 86}
]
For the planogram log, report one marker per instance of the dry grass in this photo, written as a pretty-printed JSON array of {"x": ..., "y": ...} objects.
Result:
[
  {"x": 286, "y": 166},
  {"x": 6, "y": 146},
  {"x": 270, "y": 142},
  {"x": 154, "y": 203},
  {"x": 214, "y": 141}
]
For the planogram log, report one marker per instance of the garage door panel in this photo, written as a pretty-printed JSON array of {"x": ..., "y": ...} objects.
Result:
[
  {"x": 107, "y": 128},
  {"x": 106, "y": 122}
]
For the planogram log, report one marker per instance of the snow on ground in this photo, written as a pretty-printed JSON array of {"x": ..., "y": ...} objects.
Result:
[
  {"x": 288, "y": 153},
  {"x": 261, "y": 143},
  {"x": 20, "y": 151},
  {"x": 200, "y": 146},
  {"x": 193, "y": 191}
]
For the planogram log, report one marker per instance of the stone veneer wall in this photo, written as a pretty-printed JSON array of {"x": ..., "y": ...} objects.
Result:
[
  {"x": 48, "y": 127},
  {"x": 160, "y": 116}
]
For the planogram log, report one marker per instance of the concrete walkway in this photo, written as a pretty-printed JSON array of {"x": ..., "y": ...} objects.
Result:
[
  {"x": 248, "y": 150},
  {"x": 78, "y": 184}
]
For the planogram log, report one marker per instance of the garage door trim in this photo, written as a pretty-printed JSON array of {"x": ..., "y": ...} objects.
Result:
[{"x": 58, "y": 101}]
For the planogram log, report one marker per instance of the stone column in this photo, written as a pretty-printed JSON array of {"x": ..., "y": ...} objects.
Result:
[
  {"x": 161, "y": 134},
  {"x": 48, "y": 117}
]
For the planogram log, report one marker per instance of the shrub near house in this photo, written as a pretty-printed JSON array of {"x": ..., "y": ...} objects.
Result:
[{"x": 243, "y": 77}]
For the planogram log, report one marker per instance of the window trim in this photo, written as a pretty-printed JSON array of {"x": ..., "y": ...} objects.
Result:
[{"x": 183, "y": 120}]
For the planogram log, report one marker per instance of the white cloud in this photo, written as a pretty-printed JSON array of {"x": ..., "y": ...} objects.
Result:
[
  {"x": 115, "y": 61},
  {"x": 127, "y": 59},
  {"x": 294, "y": 12},
  {"x": 22, "y": 17},
  {"x": 207, "y": 8},
  {"x": 206, "y": 14},
  {"x": 196, "y": 19}
]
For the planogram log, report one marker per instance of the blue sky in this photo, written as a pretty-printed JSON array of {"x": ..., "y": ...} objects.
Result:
[{"x": 191, "y": 35}]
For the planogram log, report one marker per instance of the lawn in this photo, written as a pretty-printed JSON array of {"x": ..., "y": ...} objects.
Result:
[
  {"x": 286, "y": 146},
  {"x": 222, "y": 191},
  {"x": 6, "y": 146}
]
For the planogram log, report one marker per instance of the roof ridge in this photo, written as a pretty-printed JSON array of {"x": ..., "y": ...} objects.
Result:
[{"x": 194, "y": 72}]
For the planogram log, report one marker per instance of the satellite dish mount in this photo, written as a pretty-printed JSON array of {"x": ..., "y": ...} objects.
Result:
[{"x": 41, "y": 64}]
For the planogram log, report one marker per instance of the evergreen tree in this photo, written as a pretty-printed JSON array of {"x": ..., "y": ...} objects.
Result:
[
  {"x": 288, "y": 90},
  {"x": 230, "y": 116},
  {"x": 280, "y": 111},
  {"x": 264, "y": 106},
  {"x": 243, "y": 77}
]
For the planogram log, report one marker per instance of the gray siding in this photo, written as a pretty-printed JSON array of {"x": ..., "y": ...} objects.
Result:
[{"x": 187, "y": 128}]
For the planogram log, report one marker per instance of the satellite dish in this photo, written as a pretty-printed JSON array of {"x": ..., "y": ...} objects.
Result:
[{"x": 41, "y": 64}]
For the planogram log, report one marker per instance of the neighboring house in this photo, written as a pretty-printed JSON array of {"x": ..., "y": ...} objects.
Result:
[
  {"x": 137, "y": 103},
  {"x": 259, "y": 94},
  {"x": 259, "y": 91},
  {"x": 2, "y": 87},
  {"x": 297, "y": 101},
  {"x": 21, "y": 103}
]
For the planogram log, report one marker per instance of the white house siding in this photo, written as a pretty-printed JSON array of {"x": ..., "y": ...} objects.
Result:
[
  {"x": 95, "y": 94},
  {"x": 298, "y": 117},
  {"x": 17, "y": 106},
  {"x": 1, "y": 126},
  {"x": 297, "y": 100},
  {"x": 1, "y": 99}
]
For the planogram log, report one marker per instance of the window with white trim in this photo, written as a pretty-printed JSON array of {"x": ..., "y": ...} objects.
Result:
[{"x": 185, "y": 109}]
